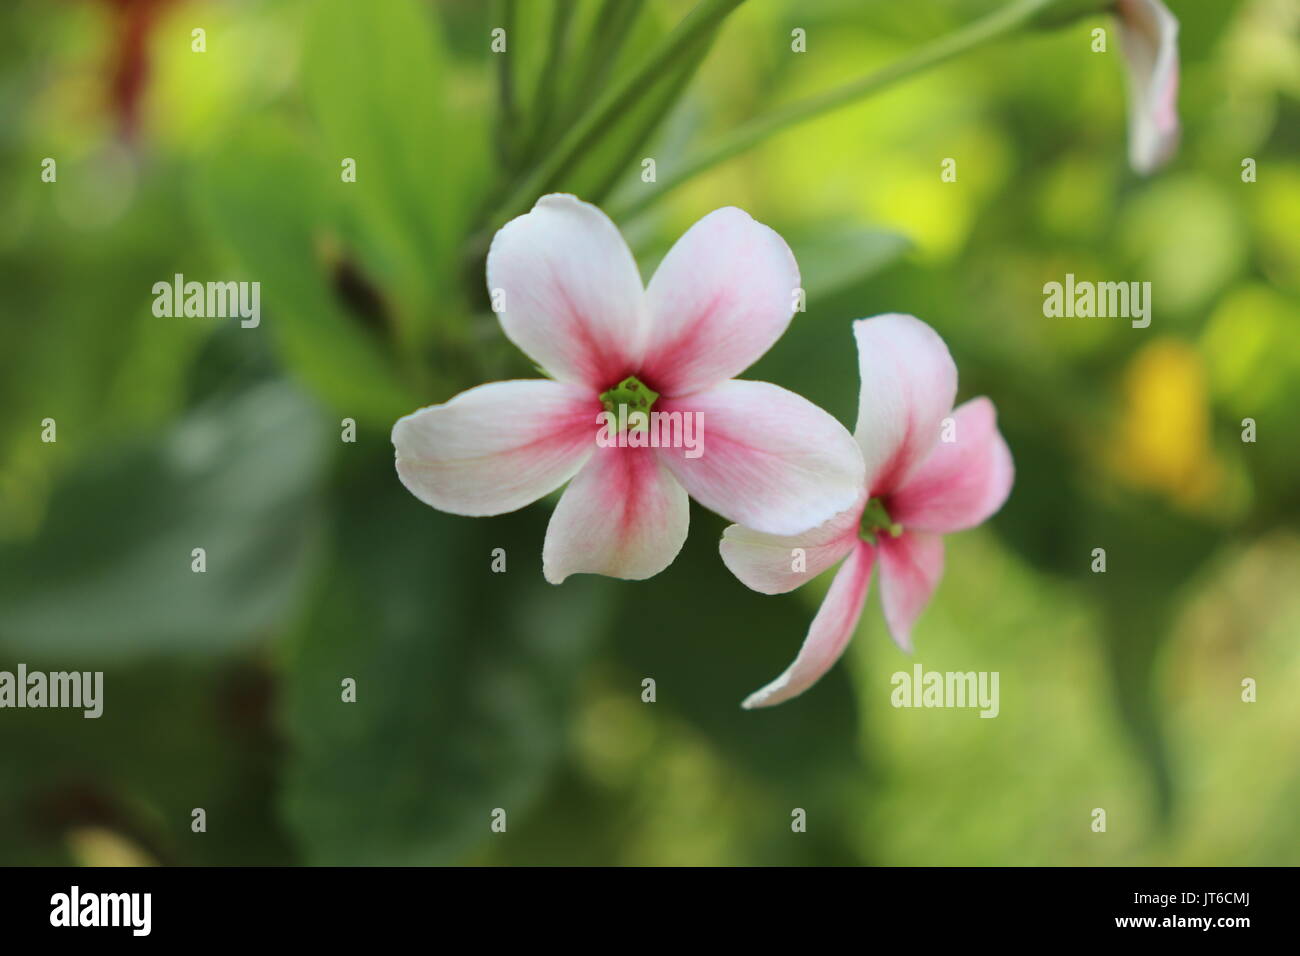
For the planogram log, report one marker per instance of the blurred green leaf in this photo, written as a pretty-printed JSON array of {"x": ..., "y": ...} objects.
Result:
[
  {"x": 1152, "y": 554},
  {"x": 615, "y": 101},
  {"x": 464, "y": 677},
  {"x": 214, "y": 750},
  {"x": 619, "y": 152},
  {"x": 263, "y": 199},
  {"x": 834, "y": 259},
  {"x": 110, "y": 574},
  {"x": 376, "y": 81},
  {"x": 604, "y": 36},
  {"x": 708, "y": 641}
]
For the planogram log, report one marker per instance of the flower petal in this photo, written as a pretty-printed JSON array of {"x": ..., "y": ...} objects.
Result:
[
  {"x": 962, "y": 482},
  {"x": 767, "y": 562},
  {"x": 769, "y": 459},
  {"x": 497, "y": 447},
  {"x": 722, "y": 296},
  {"x": 909, "y": 382},
  {"x": 829, "y": 634},
  {"x": 573, "y": 297},
  {"x": 623, "y": 516},
  {"x": 1149, "y": 34},
  {"x": 910, "y": 568}
]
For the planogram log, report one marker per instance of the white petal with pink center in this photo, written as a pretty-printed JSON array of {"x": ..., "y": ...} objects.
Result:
[
  {"x": 722, "y": 296},
  {"x": 908, "y": 385},
  {"x": 772, "y": 461},
  {"x": 961, "y": 482},
  {"x": 829, "y": 634},
  {"x": 573, "y": 301},
  {"x": 774, "y": 564},
  {"x": 497, "y": 447},
  {"x": 910, "y": 568},
  {"x": 623, "y": 515}
]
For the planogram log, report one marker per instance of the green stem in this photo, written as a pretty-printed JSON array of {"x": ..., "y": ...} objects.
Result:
[
  {"x": 611, "y": 29},
  {"x": 659, "y": 103},
  {"x": 507, "y": 118},
  {"x": 547, "y": 82},
  {"x": 997, "y": 24},
  {"x": 617, "y": 99}
]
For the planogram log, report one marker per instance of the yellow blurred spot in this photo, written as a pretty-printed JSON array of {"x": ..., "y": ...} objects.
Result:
[
  {"x": 97, "y": 846},
  {"x": 1164, "y": 441}
]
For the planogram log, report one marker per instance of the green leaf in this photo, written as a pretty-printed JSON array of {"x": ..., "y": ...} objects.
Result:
[
  {"x": 263, "y": 200},
  {"x": 212, "y": 747},
  {"x": 708, "y": 641},
  {"x": 464, "y": 678},
  {"x": 619, "y": 153},
  {"x": 834, "y": 259},
  {"x": 110, "y": 575},
  {"x": 375, "y": 79},
  {"x": 1152, "y": 554}
]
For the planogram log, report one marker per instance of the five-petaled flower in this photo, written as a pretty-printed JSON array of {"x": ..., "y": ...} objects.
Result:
[
  {"x": 1150, "y": 39},
  {"x": 919, "y": 485},
  {"x": 575, "y": 304}
]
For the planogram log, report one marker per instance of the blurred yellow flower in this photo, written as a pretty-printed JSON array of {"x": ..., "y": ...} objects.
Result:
[
  {"x": 99, "y": 846},
  {"x": 1164, "y": 438}
]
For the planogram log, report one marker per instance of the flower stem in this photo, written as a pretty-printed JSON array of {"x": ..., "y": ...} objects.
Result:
[
  {"x": 547, "y": 84},
  {"x": 999, "y": 23},
  {"x": 704, "y": 17},
  {"x": 507, "y": 119},
  {"x": 611, "y": 29}
]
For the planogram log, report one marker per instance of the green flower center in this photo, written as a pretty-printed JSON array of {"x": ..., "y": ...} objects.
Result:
[
  {"x": 875, "y": 520},
  {"x": 635, "y": 395}
]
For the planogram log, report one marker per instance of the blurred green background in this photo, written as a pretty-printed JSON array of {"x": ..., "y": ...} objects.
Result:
[{"x": 477, "y": 690}]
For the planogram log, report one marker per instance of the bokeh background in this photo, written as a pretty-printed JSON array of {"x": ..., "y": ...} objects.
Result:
[{"x": 479, "y": 690}]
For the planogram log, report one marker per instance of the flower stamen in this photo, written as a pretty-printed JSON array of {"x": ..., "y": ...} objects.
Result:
[
  {"x": 636, "y": 396},
  {"x": 875, "y": 519}
]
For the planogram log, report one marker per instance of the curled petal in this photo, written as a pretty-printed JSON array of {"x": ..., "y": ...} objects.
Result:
[
  {"x": 910, "y": 568},
  {"x": 909, "y": 382},
  {"x": 829, "y": 634},
  {"x": 769, "y": 459},
  {"x": 497, "y": 447},
  {"x": 720, "y": 298},
  {"x": 774, "y": 564},
  {"x": 962, "y": 482},
  {"x": 1150, "y": 39},
  {"x": 573, "y": 300},
  {"x": 623, "y": 516}
]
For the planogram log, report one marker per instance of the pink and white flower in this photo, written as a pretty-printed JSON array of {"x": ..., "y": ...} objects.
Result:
[
  {"x": 919, "y": 486},
  {"x": 1149, "y": 33},
  {"x": 574, "y": 303}
]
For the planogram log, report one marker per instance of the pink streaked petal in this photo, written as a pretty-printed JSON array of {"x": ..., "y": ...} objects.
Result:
[
  {"x": 962, "y": 482},
  {"x": 1149, "y": 35},
  {"x": 908, "y": 385},
  {"x": 720, "y": 298},
  {"x": 770, "y": 460},
  {"x": 497, "y": 447},
  {"x": 829, "y": 634},
  {"x": 623, "y": 516},
  {"x": 573, "y": 297},
  {"x": 910, "y": 568},
  {"x": 767, "y": 562}
]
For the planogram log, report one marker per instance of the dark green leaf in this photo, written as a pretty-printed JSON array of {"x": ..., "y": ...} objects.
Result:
[
  {"x": 110, "y": 574},
  {"x": 464, "y": 678}
]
